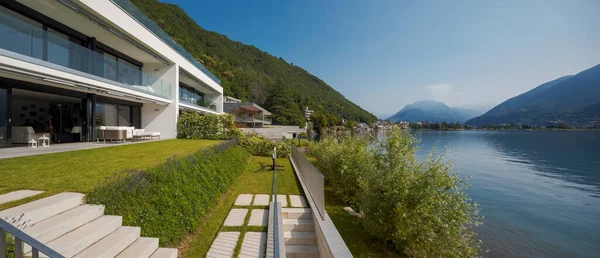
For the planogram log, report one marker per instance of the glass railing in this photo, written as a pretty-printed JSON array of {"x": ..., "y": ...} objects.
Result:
[
  {"x": 191, "y": 97},
  {"x": 143, "y": 19},
  {"x": 23, "y": 36}
]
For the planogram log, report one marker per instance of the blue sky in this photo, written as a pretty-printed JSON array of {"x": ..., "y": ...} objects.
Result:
[{"x": 383, "y": 55}]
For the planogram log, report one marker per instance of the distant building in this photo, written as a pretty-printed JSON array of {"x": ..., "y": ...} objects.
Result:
[
  {"x": 247, "y": 114},
  {"x": 231, "y": 100}
]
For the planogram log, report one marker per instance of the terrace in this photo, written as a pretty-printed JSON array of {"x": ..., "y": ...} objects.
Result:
[{"x": 242, "y": 222}]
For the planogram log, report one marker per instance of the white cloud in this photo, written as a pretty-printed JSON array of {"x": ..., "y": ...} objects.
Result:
[{"x": 440, "y": 89}]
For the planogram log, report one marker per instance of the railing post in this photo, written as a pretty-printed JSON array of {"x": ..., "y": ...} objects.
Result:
[
  {"x": 35, "y": 253},
  {"x": 2, "y": 243},
  {"x": 18, "y": 248}
]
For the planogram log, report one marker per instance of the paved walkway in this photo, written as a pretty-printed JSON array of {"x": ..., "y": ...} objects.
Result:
[
  {"x": 259, "y": 217},
  {"x": 224, "y": 245},
  {"x": 254, "y": 245},
  {"x": 17, "y": 195},
  {"x": 236, "y": 218},
  {"x": 14, "y": 152},
  {"x": 254, "y": 242}
]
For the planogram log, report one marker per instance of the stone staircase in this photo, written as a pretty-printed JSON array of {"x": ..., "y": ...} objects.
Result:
[
  {"x": 299, "y": 233},
  {"x": 74, "y": 229}
]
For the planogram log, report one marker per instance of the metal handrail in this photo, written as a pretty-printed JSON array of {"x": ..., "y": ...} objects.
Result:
[
  {"x": 276, "y": 207},
  {"x": 20, "y": 238}
]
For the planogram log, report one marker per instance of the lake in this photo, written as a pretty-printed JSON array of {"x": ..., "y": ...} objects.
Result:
[{"x": 538, "y": 190}]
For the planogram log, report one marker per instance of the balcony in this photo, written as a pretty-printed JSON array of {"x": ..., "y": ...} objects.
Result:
[
  {"x": 138, "y": 15},
  {"x": 27, "y": 40},
  {"x": 190, "y": 96}
]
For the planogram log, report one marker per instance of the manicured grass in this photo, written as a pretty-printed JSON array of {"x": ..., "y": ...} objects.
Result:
[
  {"x": 81, "y": 171},
  {"x": 257, "y": 178}
]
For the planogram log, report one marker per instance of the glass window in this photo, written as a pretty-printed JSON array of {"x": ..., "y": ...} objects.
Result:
[
  {"x": 189, "y": 95},
  {"x": 21, "y": 34},
  {"x": 137, "y": 118},
  {"x": 124, "y": 116},
  {"x": 106, "y": 114},
  {"x": 3, "y": 117}
]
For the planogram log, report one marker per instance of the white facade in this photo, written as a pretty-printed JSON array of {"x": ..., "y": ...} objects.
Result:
[{"x": 101, "y": 51}]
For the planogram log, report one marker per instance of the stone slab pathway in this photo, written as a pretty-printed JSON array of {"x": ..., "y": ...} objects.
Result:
[
  {"x": 297, "y": 201},
  {"x": 259, "y": 217},
  {"x": 236, "y": 217},
  {"x": 282, "y": 199},
  {"x": 17, "y": 195},
  {"x": 254, "y": 245},
  {"x": 261, "y": 200},
  {"x": 224, "y": 245},
  {"x": 243, "y": 200}
]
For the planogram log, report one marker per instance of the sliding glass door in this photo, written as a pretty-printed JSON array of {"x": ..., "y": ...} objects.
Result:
[{"x": 4, "y": 118}]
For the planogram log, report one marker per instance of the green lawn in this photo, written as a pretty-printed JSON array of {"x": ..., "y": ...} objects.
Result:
[
  {"x": 81, "y": 171},
  {"x": 257, "y": 178}
]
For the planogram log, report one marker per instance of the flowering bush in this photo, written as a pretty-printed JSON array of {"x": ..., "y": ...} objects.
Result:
[
  {"x": 418, "y": 206},
  {"x": 192, "y": 125},
  {"x": 171, "y": 200}
]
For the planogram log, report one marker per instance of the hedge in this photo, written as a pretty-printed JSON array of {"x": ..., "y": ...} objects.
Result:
[
  {"x": 260, "y": 146},
  {"x": 171, "y": 200},
  {"x": 192, "y": 125}
]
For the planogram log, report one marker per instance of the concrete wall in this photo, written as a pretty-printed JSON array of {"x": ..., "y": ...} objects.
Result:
[{"x": 158, "y": 117}]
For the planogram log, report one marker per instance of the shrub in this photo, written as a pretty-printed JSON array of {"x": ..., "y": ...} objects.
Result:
[
  {"x": 418, "y": 206},
  {"x": 171, "y": 200},
  {"x": 192, "y": 125},
  {"x": 299, "y": 143},
  {"x": 345, "y": 161},
  {"x": 260, "y": 146}
]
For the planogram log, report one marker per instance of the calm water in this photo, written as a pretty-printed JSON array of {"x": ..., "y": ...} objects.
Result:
[{"x": 539, "y": 191}]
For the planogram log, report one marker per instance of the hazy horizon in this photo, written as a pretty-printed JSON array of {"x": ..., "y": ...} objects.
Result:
[{"x": 387, "y": 54}]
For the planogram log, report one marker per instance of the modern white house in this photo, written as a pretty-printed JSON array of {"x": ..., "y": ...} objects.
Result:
[{"x": 70, "y": 66}]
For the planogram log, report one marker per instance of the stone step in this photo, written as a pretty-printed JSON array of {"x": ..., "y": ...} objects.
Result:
[
  {"x": 282, "y": 198},
  {"x": 113, "y": 244},
  {"x": 81, "y": 238},
  {"x": 17, "y": 195},
  {"x": 165, "y": 253},
  {"x": 298, "y": 201},
  {"x": 142, "y": 247},
  {"x": 303, "y": 225},
  {"x": 26, "y": 215},
  {"x": 54, "y": 227},
  {"x": 300, "y": 238},
  {"x": 296, "y": 251},
  {"x": 296, "y": 213}
]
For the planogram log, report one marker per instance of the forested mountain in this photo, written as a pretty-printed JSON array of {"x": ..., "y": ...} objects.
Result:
[
  {"x": 251, "y": 74},
  {"x": 433, "y": 111},
  {"x": 574, "y": 99}
]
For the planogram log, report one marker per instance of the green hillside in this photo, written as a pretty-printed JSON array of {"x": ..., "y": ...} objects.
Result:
[{"x": 251, "y": 74}]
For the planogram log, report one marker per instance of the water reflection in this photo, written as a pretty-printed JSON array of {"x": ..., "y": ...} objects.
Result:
[{"x": 539, "y": 190}]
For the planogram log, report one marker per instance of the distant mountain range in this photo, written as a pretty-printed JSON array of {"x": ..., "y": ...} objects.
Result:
[
  {"x": 574, "y": 99},
  {"x": 433, "y": 111}
]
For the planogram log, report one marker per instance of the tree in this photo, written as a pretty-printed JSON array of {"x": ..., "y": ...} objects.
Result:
[
  {"x": 563, "y": 125},
  {"x": 280, "y": 102}
]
